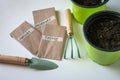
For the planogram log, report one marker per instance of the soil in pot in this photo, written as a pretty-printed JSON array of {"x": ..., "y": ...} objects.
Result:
[
  {"x": 105, "y": 33},
  {"x": 89, "y": 2}
]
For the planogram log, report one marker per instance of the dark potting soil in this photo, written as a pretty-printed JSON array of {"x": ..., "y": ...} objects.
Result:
[
  {"x": 105, "y": 34},
  {"x": 89, "y": 2}
]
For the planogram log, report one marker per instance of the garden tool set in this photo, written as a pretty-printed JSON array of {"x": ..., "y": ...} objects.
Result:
[{"x": 46, "y": 39}]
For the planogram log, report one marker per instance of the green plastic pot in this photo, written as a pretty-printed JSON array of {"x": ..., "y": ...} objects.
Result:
[
  {"x": 81, "y": 12},
  {"x": 97, "y": 54}
]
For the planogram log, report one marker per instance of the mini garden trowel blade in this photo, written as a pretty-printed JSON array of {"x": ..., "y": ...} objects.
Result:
[{"x": 41, "y": 64}]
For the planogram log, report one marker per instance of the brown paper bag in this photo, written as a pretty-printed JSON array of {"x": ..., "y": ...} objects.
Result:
[
  {"x": 27, "y": 36},
  {"x": 52, "y": 42},
  {"x": 43, "y": 17}
]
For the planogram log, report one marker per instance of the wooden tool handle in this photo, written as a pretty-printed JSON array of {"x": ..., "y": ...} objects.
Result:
[
  {"x": 68, "y": 21},
  {"x": 13, "y": 60}
]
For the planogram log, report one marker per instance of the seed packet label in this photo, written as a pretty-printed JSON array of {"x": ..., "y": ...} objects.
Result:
[
  {"x": 52, "y": 38},
  {"x": 46, "y": 21},
  {"x": 25, "y": 34}
]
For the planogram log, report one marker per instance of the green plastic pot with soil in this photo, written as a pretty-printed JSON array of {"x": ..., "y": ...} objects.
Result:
[
  {"x": 82, "y": 9},
  {"x": 102, "y": 33}
]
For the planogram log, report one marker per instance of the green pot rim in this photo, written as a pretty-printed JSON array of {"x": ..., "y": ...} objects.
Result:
[
  {"x": 92, "y": 18},
  {"x": 104, "y": 2}
]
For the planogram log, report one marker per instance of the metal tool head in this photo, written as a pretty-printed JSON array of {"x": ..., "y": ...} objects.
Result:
[{"x": 71, "y": 48}]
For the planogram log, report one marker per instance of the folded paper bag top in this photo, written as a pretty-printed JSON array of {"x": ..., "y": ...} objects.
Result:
[
  {"x": 27, "y": 36},
  {"x": 43, "y": 17},
  {"x": 52, "y": 42}
]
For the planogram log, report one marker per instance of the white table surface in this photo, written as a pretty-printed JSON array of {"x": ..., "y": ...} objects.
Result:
[{"x": 14, "y": 12}]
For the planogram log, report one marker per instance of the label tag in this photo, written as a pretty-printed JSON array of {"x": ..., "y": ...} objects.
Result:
[
  {"x": 25, "y": 34},
  {"x": 52, "y": 38},
  {"x": 46, "y": 21}
]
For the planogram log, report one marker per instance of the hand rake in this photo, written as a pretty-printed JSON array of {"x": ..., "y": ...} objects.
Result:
[{"x": 70, "y": 38}]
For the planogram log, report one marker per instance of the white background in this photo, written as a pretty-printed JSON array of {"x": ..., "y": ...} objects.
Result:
[{"x": 14, "y": 12}]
